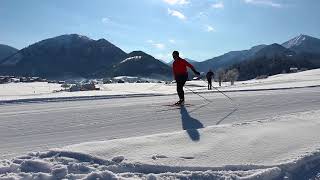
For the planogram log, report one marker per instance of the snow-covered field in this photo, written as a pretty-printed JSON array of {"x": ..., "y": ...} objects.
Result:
[
  {"x": 284, "y": 147},
  {"x": 44, "y": 91},
  {"x": 27, "y": 89},
  {"x": 275, "y": 147}
]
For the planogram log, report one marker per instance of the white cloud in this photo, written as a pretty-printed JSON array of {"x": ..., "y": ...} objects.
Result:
[
  {"x": 174, "y": 2},
  {"x": 172, "y": 41},
  {"x": 177, "y": 14},
  {"x": 210, "y": 28},
  {"x": 218, "y": 5},
  {"x": 201, "y": 14},
  {"x": 150, "y": 41},
  {"x": 156, "y": 44},
  {"x": 159, "y": 45},
  {"x": 105, "y": 20},
  {"x": 264, "y": 2}
]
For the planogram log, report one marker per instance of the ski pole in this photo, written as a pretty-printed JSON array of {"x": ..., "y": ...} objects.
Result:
[
  {"x": 220, "y": 91},
  {"x": 223, "y": 93},
  {"x": 198, "y": 94}
]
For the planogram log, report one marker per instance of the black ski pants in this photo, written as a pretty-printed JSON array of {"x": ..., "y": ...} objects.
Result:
[
  {"x": 181, "y": 81},
  {"x": 209, "y": 83}
]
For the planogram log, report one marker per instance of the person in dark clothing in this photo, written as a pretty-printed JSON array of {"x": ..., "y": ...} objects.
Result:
[
  {"x": 209, "y": 79},
  {"x": 180, "y": 73}
]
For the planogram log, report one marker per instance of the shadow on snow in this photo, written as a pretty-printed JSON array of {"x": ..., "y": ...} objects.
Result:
[{"x": 190, "y": 124}]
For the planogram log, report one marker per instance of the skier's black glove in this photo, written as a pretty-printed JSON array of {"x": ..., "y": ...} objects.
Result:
[{"x": 197, "y": 73}]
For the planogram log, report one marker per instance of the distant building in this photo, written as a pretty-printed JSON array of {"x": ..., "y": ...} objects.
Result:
[
  {"x": 89, "y": 87},
  {"x": 2, "y": 80},
  {"x": 121, "y": 81},
  {"x": 15, "y": 80},
  {"x": 5, "y": 79},
  {"x": 23, "y": 79},
  {"x": 293, "y": 70},
  {"x": 30, "y": 79},
  {"x": 83, "y": 87},
  {"x": 107, "y": 81},
  {"x": 76, "y": 87}
]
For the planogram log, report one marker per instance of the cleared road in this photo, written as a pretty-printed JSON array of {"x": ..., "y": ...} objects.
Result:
[{"x": 40, "y": 126}]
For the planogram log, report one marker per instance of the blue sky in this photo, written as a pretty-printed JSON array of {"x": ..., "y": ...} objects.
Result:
[{"x": 199, "y": 29}]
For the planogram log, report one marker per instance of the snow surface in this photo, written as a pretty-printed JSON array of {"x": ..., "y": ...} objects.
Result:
[
  {"x": 281, "y": 147},
  {"x": 26, "y": 127},
  {"x": 27, "y": 89},
  {"x": 43, "y": 91},
  {"x": 278, "y": 148}
]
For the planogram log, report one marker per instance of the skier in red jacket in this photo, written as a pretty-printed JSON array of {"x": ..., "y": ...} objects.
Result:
[{"x": 181, "y": 74}]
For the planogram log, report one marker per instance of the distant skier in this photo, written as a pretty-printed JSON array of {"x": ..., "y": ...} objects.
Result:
[
  {"x": 181, "y": 74},
  {"x": 209, "y": 79}
]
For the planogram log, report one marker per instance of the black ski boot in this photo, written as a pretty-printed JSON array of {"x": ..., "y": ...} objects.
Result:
[{"x": 179, "y": 103}]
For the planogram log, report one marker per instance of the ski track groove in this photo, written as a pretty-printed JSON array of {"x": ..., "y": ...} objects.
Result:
[{"x": 45, "y": 125}]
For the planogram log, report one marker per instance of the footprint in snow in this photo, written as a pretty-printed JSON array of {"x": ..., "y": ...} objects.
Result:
[
  {"x": 154, "y": 157},
  {"x": 118, "y": 159},
  {"x": 187, "y": 157}
]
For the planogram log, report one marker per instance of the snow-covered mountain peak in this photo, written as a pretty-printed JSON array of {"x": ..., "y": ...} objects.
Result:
[
  {"x": 67, "y": 39},
  {"x": 304, "y": 43},
  {"x": 297, "y": 41},
  {"x": 70, "y": 37}
]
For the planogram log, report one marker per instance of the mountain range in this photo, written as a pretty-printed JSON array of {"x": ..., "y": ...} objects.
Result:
[
  {"x": 301, "y": 44},
  {"x": 73, "y": 55},
  {"x": 302, "y": 51},
  {"x": 138, "y": 63},
  {"x": 6, "y": 51},
  {"x": 228, "y": 59}
]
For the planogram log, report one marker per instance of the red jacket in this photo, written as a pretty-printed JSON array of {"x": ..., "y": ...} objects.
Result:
[{"x": 179, "y": 67}]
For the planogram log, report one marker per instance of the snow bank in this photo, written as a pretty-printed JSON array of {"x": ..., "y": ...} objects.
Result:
[
  {"x": 72, "y": 165},
  {"x": 28, "y": 92},
  {"x": 281, "y": 147}
]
